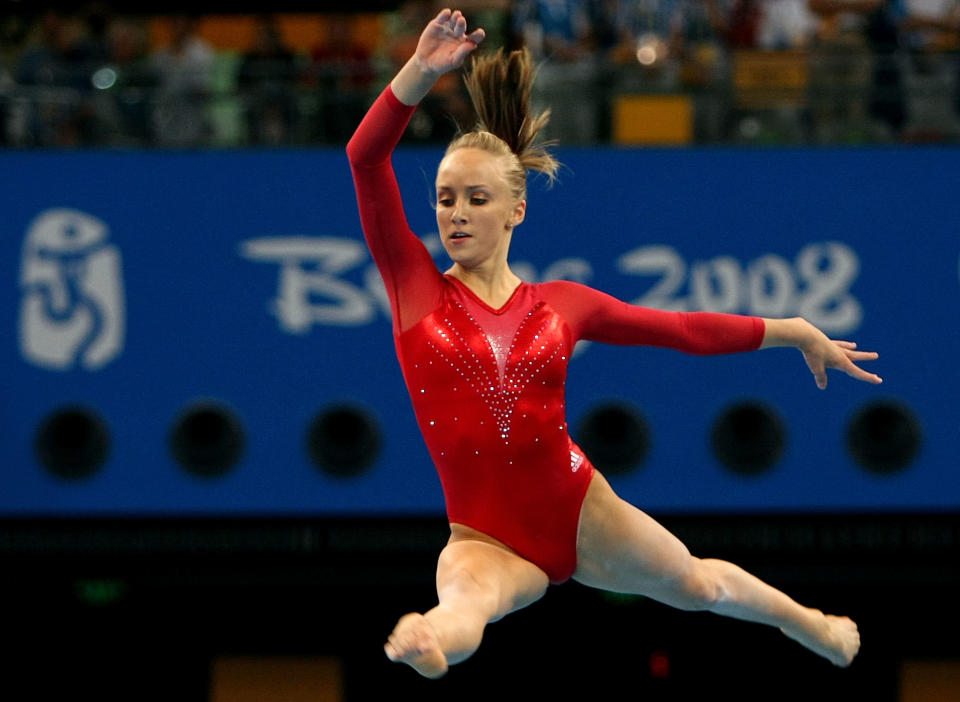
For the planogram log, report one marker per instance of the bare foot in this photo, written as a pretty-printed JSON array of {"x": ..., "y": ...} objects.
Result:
[
  {"x": 835, "y": 638},
  {"x": 414, "y": 642}
]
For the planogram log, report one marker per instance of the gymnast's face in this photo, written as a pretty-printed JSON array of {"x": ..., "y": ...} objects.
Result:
[{"x": 476, "y": 212}]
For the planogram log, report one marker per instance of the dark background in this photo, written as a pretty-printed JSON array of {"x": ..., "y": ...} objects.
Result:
[{"x": 137, "y": 609}]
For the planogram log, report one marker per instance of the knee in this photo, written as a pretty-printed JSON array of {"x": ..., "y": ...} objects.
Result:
[
  {"x": 701, "y": 586},
  {"x": 461, "y": 586}
]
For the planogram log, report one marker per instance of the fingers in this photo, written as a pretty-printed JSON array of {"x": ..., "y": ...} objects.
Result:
[
  {"x": 455, "y": 23},
  {"x": 855, "y": 371},
  {"x": 452, "y": 21},
  {"x": 459, "y": 24},
  {"x": 848, "y": 348},
  {"x": 820, "y": 375},
  {"x": 850, "y": 368},
  {"x": 477, "y": 35},
  {"x": 845, "y": 360}
]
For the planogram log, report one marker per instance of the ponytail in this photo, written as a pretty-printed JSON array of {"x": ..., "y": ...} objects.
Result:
[{"x": 500, "y": 87}]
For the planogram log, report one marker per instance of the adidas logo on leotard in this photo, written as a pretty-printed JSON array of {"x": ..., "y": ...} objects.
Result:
[{"x": 576, "y": 460}]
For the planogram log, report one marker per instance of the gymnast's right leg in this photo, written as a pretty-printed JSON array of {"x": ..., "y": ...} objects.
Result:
[
  {"x": 478, "y": 582},
  {"x": 624, "y": 550}
]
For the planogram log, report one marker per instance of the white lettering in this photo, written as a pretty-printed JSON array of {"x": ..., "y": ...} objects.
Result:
[
  {"x": 657, "y": 260},
  {"x": 816, "y": 287},
  {"x": 308, "y": 269},
  {"x": 828, "y": 271},
  {"x": 312, "y": 288},
  {"x": 716, "y": 284},
  {"x": 771, "y": 287}
]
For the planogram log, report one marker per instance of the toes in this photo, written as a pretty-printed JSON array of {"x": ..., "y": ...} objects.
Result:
[{"x": 409, "y": 639}]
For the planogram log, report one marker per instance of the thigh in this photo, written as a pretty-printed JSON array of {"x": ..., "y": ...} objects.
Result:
[
  {"x": 620, "y": 548},
  {"x": 477, "y": 566}
]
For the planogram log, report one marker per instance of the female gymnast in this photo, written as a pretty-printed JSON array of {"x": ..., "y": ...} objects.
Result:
[{"x": 484, "y": 356}]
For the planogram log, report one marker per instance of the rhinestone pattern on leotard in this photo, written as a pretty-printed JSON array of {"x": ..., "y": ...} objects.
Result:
[{"x": 501, "y": 383}]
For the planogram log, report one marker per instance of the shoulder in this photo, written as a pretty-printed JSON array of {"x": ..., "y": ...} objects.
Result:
[
  {"x": 562, "y": 287},
  {"x": 573, "y": 301},
  {"x": 567, "y": 292}
]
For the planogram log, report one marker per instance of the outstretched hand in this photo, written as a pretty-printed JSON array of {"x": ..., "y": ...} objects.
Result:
[
  {"x": 445, "y": 44},
  {"x": 819, "y": 351},
  {"x": 824, "y": 353}
]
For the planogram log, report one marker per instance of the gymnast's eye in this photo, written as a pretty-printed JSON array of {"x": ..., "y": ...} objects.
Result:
[
  {"x": 478, "y": 200},
  {"x": 445, "y": 202}
]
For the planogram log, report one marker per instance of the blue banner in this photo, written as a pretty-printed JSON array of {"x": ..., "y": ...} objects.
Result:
[{"x": 139, "y": 285}]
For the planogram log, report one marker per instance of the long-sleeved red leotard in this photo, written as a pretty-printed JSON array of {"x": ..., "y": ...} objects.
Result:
[{"x": 487, "y": 384}]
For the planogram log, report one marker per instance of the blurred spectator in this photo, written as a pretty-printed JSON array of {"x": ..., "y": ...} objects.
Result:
[
  {"x": 931, "y": 29},
  {"x": 51, "y": 75},
  {"x": 786, "y": 24},
  {"x": 184, "y": 71},
  {"x": 342, "y": 73},
  {"x": 841, "y": 71},
  {"x": 678, "y": 46},
  {"x": 661, "y": 34},
  {"x": 12, "y": 32},
  {"x": 737, "y": 22},
  {"x": 266, "y": 79},
  {"x": 7, "y": 87},
  {"x": 560, "y": 35},
  {"x": 126, "y": 82},
  {"x": 887, "y": 90},
  {"x": 932, "y": 25}
]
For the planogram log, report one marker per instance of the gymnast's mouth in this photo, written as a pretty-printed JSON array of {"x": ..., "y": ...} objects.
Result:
[{"x": 459, "y": 235}]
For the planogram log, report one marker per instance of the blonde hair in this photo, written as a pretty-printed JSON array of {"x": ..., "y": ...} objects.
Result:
[{"x": 499, "y": 87}]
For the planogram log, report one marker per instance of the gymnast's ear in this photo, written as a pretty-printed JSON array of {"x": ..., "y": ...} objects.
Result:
[{"x": 518, "y": 214}]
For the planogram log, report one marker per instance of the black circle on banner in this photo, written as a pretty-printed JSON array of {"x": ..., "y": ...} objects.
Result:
[
  {"x": 343, "y": 441},
  {"x": 884, "y": 437},
  {"x": 73, "y": 442},
  {"x": 615, "y": 437},
  {"x": 748, "y": 437},
  {"x": 207, "y": 439}
]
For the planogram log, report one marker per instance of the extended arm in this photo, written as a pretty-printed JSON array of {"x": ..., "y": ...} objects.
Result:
[
  {"x": 596, "y": 316},
  {"x": 818, "y": 350}
]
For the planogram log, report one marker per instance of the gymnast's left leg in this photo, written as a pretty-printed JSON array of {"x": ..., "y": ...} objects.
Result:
[
  {"x": 624, "y": 550},
  {"x": 479, "y": 580}
]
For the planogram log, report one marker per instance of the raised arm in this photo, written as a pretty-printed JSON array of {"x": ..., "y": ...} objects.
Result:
[
  {"x": 411, "y": 278},
  {"x": 443, "y": 47},
  {"x": 819, "y": 351}
]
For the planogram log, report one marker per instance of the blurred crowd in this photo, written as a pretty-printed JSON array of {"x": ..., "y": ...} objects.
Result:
[{"x": 768, "y": 71}]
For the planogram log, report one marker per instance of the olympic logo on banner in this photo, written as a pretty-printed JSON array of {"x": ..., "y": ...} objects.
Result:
[{"x": 72, "y": 309}]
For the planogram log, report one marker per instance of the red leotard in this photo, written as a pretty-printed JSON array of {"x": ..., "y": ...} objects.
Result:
[{"x": 488, "y": 384}]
